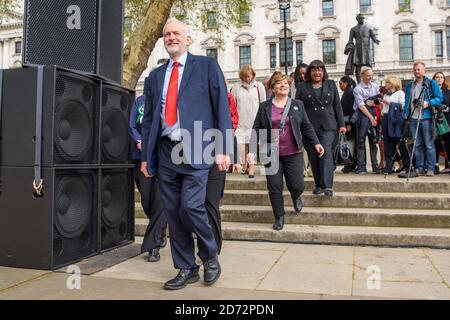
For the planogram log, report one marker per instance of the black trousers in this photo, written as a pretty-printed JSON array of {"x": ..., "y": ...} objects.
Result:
[
  {"x": 390, "y": 147},
  {"x": 153, "y": 209},
  {"x": 291, "y": 167},
  {"x": 323, "y": 168},
  {"x": 444, "y": 139},
  {"x": 362, "y": 132},
  {"x": 214, "y": 193}
]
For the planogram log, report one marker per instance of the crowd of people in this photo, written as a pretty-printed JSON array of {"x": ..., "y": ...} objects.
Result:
[{"x": 307, "y": 120}]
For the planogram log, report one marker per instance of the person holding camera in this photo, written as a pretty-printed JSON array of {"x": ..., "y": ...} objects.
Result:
[
  {"x": 442, "y": 142},
  {"x": 422, "y": 95},
  {"x": 284, "y": 149},
  {"x": 393, "y": 103},
  {"x": 367, "y": 96}
]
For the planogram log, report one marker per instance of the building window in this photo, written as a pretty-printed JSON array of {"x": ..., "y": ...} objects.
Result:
[
  {"x": 299, "y": 52},
  {"x": 288, "y": 14},
  {"x": 448, "y": 41},
  {"x": 327, "y": 8},
  {"x": 439, "y": 44},
  {"x": 365, "y": 6},
  {"x": 245, "y": 55},
  {"x": 212, "y": 53},
  {"x": 18, "y": 47},
  {"x": 290, "y": 52},
  {"x": 406, "y": 47},
  {"x": 329, "y": 51},
  {"x": 245, "y": 17},
  {"x": 448, "y": 3},
  {"x": 404, "y": 5},
  {"x": 273, "y": 55},
  {"x": 211, "y": 20}
]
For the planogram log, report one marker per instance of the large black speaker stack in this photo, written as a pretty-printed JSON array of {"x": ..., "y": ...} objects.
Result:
[{"x": 64, "y": 118}]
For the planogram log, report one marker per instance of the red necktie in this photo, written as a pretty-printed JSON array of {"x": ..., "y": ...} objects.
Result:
[{"x": 171, "y": 98}]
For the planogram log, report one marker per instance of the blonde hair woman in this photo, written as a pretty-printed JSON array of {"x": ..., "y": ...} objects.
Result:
[
  {"x": 393, "y": 98},
  {"x": 248, "y": 94}
]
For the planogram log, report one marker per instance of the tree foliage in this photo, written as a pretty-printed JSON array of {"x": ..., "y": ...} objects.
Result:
[
  {"x": 6, "y": 7},
  {"x": 146, "y": 18}
]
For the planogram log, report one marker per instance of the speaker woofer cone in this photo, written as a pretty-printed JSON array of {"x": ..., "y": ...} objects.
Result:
[
  {"x": 73, "y": 205},
  {"x": 114, "y": 135},
  {"x": 73, "y": 130},
  {"x": 114, "y": 200}
]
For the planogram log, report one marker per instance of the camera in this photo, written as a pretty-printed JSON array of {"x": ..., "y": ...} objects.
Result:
[
  {"x": 375, "y": 135},
  {"x": 441, "y": 109},
  {"x": 376, "y": 99}
]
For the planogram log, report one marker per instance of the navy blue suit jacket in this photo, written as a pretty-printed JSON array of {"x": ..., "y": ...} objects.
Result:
[{"x": 202, "y": 96}]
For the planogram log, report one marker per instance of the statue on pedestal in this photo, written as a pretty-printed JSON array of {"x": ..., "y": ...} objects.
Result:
[{"x": 359, "y": 51}]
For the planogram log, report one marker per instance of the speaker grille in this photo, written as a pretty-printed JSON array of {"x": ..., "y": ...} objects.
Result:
[
  {"x": 73, "y": 205},
  {"x": 75, "y": 133},
  {"x": 48, "y": 39},
  {"x": 75, "y": 215},
  {"x": 117, "y": 208},
  {"x": 116, "y": 104}
]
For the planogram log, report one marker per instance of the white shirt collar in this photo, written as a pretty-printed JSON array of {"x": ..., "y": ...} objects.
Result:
[{"x": 181, "y": 60}]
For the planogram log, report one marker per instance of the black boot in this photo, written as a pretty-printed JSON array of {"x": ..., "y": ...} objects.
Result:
[
  {"x": 298, "y": 204},
  {"x": 279, "y": 223}
]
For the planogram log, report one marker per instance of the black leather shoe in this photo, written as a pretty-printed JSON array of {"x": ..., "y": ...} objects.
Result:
[
  {"x": 317, "y": 190},
  {"x": 412, "y": 174},
  {"x": 298, "y": 205},
  {"x": 328, "y": 192},
  {"x": 212, "y": 271},
  {"x": 153, "y": 255},
  {"x": 279, "y": 223},
  {"x": 183, "y": 278},
  {"x": 361, "y": 171}
]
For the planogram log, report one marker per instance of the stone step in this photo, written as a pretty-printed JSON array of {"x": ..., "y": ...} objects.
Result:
[
  {"x": 354, "y": 183},
  {"x": 345, "y": 199},
  {"x": 342, "y": 216},
  {"x": 333, "y": 235},
  {"x": 335, "y": 216}
]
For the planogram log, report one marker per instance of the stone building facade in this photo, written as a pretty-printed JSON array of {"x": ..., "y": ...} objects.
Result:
[
  {"x": 319, "y": 29},
  {"x": 316, "y": 29},
  {"x": 11, "y": 41}
]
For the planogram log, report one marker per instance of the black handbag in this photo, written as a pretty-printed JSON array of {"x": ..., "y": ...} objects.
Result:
[{"x": 342, "y": 153}]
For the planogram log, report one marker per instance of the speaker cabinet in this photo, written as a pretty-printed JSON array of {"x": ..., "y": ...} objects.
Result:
[
  {"x": 116, "y": 106},
  {"x": 83, "y": 35},
  {"x": 70, "y": 118},
  {"x": 51, "y": 231},
  {"x": 87, "y": 205},
  {"x": 117, "y": 207}
]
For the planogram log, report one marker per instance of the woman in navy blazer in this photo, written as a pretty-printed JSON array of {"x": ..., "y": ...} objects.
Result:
[{"x": 322, "y": 104}]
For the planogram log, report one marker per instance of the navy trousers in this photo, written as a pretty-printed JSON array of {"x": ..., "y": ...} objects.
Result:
[
  {"x": 183, "y": 191},
  {"x": 323, "y": 168}
]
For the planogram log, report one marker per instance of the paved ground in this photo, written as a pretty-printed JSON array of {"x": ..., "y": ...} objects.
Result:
[{"x": 256, "y": 270}]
